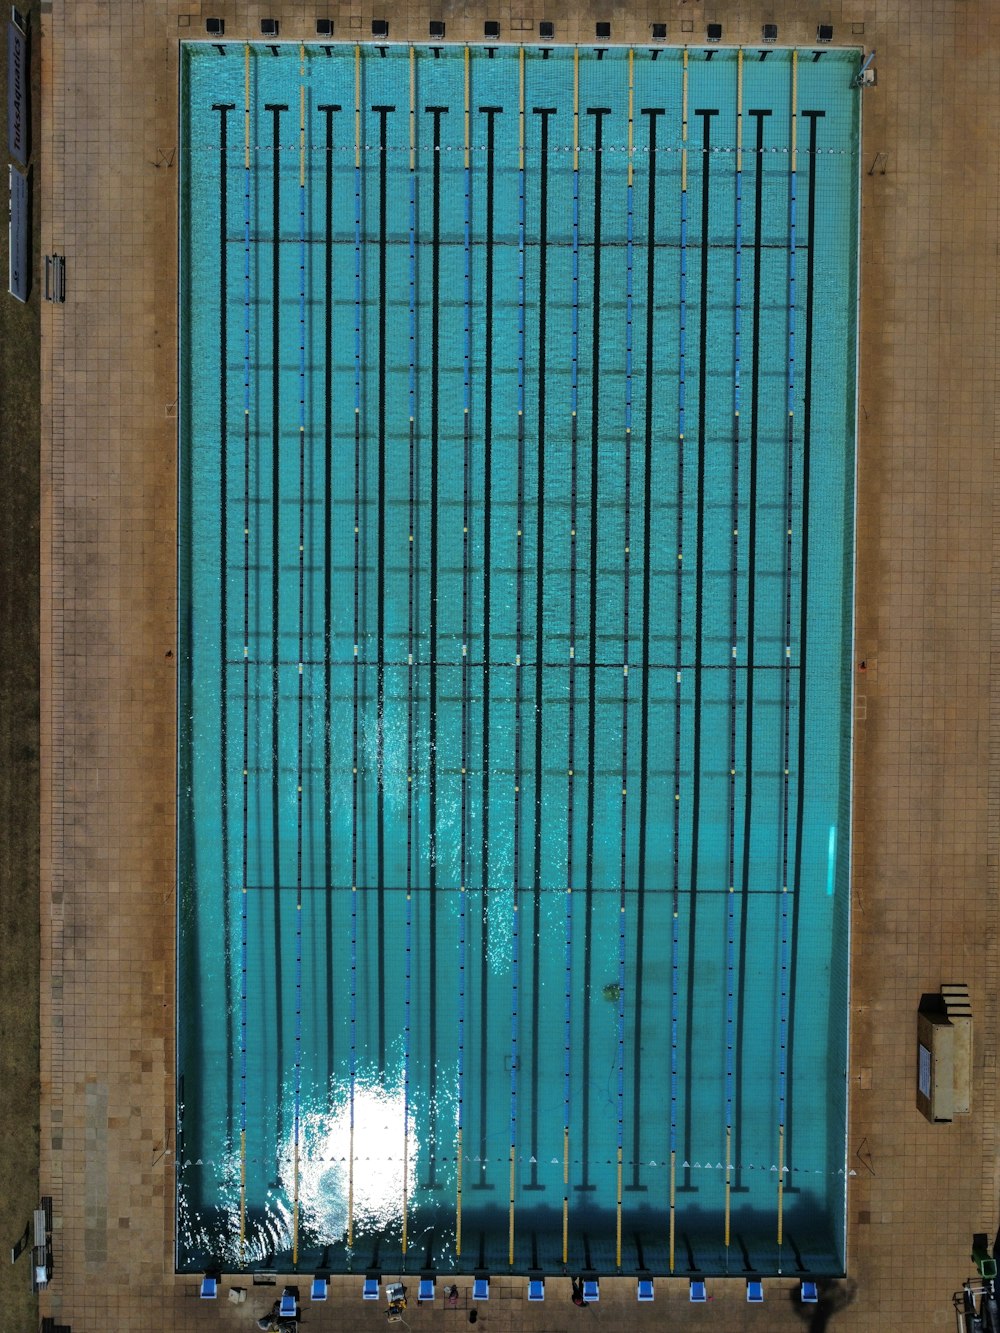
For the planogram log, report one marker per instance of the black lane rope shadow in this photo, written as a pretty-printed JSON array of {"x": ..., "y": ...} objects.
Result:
[
  {"x": 706, "y": 158},
  {"x": 276, "y": 111},
  {"x": 328, "y": 111},
  {"x": 383, "y": 166},
  {"x": 571, "y": 687},
  {"x": 759, "y": 115},
  {"x": 812, "y": 117},
  {"x": 543, "y": 237},
  {"x": 432, "y": 1115},
  {"x": 598, "y": 112},
  {"x": 640, "y": 910},
  {"x": 410, "y": 632},
  {"x": 223, "y": 108},
  {"x": 490, "y": 113}
]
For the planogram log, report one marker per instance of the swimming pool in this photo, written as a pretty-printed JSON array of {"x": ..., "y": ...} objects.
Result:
[{"x": 516, "y": 574}]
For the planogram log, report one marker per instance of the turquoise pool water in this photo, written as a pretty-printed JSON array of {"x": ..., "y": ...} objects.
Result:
[{"x": 516, "y": 514}]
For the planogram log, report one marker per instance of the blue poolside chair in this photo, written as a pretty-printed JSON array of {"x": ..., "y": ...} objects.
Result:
[
  {"x": 536, "y": 1289},
  {"x": 481, "y": 1288},
  {"x": 425, "y": 1289},
  {"x": 591, "y": 1290},
  {"x": 369, "y": 1292},
  {"x": 755, "y": 1291},
  {"x": 319, "y": 1288},
  {"x": 809, "y": 1293},
  {"x": 644, "y": 1289},
  {"x": 696, "y": 1291},
  {"x": 286, "y": 1307},
  {"x": 209, "y": 1287}
]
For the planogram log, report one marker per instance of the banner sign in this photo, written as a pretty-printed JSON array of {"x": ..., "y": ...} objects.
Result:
[
  {"x": 18, "y": 234},
  {"x": 17, "y": 90}
]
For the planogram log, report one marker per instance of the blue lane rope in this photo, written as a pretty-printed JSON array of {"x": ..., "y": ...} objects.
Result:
[
  {"x": 570, "y": 815},
  {"x": 246, "y": 678},
  {"x": 515, "y": 933},
  {"x": 410, "y": 630},
  {"x": 356, "y": 757},
  {"x": 463, "y": 830},
  {"x": 678, "y": 626},
  {"x": 733, "y": 629},
  {"x": 629, "y": 251},
  {"x": 786, "y": 674},
  {"x": 301, "y": 704}
]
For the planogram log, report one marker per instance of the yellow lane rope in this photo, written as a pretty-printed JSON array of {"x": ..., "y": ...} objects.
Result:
[
  {"x": 466, "y": 162},
  {"x": 413, "y": 111},
  {"x": 520, "y": 110},
  {"x": 458, "y": 1195},
  {"x": 576, "y": 108},
  {"x": 631, "y": 107},
  {"x": 673, "y": 1205}
]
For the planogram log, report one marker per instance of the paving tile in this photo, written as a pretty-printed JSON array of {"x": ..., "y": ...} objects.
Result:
[{"x": 927, "y": 757}]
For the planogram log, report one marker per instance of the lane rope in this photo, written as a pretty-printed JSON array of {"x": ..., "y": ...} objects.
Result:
[{"x": 678, "y": 627}]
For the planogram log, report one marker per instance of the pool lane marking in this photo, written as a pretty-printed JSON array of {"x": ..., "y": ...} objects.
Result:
[
  {"x": 380, "y": 598},
  {"x": 434, "y": 520},
  {"x": 704, "y": 242},
  {"x": 629, "y": 256},
  {"x": 300, "y": 773},
  {"x": 464, "y": 814},
  {"x": 787, "y": 656},
  {"x": 807, "y": 385},
  {"x": 490, "y": 112},
  {"x": 355, "y": 753},
  {"x": 678, "y": 640},
  {"x": 733, "y": 632},
  {"x": 246, "y": 652},
  {"x": 641, "y": 867},
  {"x": 571, "y": 740},
  {"x": 598, "y": 112},
  {"x": 276, "y": 109},
  {"x": 759, "y": 116},
  {"x": 328, "y": 111},
  {"x": 518, "y": 645},
  {"x": 223, "y": 108},
  {"x": 544, "y": 114},
  {"x": 411, "y": 617}
]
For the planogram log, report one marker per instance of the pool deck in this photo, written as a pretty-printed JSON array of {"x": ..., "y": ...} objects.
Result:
[{"x": 927, "y": 793}]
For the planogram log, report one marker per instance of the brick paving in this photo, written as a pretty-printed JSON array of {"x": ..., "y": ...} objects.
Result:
[{"x": 927, "y": 782}]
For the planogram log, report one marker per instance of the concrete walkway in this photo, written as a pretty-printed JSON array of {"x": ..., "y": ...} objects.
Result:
[{"x": 927, "y": 796}]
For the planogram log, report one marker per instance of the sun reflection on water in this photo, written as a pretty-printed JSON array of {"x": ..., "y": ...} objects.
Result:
[{"x": 325, "y": 1162}]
